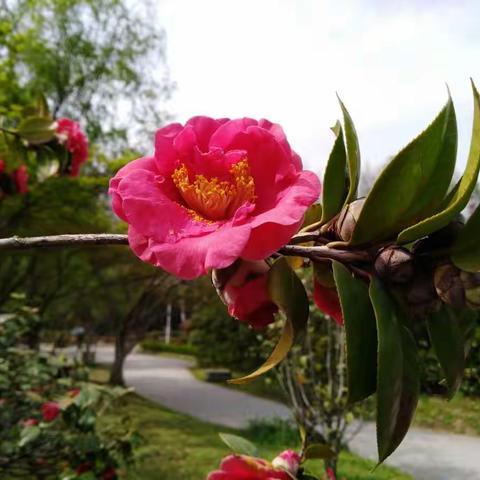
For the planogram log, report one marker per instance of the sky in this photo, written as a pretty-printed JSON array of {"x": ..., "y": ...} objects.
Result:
[{"x": 285, "y": 60}]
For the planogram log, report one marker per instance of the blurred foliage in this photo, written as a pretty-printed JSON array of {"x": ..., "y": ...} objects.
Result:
[
  {"x": 91, "y": 59},
  {"x": 49, "y": 415},
  {"x": 222, "y": 341}
]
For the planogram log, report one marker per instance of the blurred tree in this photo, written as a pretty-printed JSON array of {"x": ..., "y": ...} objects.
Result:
[{"x": 91, "y": 59}]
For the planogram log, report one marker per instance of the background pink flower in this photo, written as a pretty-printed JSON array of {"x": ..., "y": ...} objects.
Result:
[
  {"x": 215, "y": 191},
  {"x": 70, "y": 133},
  {"x": 241, "y": 467}
]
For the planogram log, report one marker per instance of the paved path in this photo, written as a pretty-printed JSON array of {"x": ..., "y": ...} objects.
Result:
[{"x": 424, "y": 454}]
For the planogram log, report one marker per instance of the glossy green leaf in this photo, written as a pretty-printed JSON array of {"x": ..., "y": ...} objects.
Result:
[
  {"x": 449, "y": 344},
  {"x": 361, "y": 334},
  {"x": 353, "y": 154},
  {"x": 466, "y": 248},
  {"x": 413, "y": 185},
  {"x": 37, "y": 130},
  {"x": 288, "y": 293},
  {"x": 335, "y": 179},
  {"x": 317, "y": 451},
  {"x": 29, "y": 434},
  {"x": 459, "y": 197},
  {"x": 398, "y": 383},
  {"x": 239, "y": 445}
]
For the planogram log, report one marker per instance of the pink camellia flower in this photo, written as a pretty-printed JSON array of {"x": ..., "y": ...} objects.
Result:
[
  {"x": 214, "y": 191},
  {"x": 50, "y": 411},
  {"x": 30, "y": 422},
  {"x": 327, "y": 301},
  {"x": 288, "y": 460},
  {"x": 242, "y": 467},
  {"x": 70, "y": 133},
  {"x": 243, "y": 288},
  {"x": 20, "y": 177}
]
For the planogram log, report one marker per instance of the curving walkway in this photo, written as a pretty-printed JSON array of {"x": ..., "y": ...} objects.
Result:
[{"x": 425, "y": 454}]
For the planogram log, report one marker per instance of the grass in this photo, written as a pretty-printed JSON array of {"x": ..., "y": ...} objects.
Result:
[{"x": 178, "y": 447}]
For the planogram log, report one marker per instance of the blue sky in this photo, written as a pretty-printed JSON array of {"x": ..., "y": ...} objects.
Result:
[{"x": 285, "y": 59}]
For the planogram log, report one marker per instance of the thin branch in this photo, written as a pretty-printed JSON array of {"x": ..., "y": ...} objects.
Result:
[
  {"x": 317, "y": 252},
  {"x": 24, "y": 243}
]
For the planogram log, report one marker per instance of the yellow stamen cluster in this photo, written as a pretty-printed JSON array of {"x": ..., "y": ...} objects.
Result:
[{"x": 212, "y": 199}]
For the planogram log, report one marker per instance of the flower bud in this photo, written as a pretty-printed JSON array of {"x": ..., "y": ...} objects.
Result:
[
  {"x": 449, "y": 285},
  {"x": 243, "y": 289},
  {"x": 50, "y": 411},
  {"x": 288, "y": 461},
  {"x": 347, "y": 219},
  {"x": 394, "y": 264},
  {"x": 421, "y": 296},
  {"x": 471, "y": 283}
]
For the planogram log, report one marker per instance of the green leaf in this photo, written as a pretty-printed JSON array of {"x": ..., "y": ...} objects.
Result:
[
  {"x": 318, "y": 451},
  {"x": 413, "y": 185},
  {"x": 466, "y": 248},
  {"x": 288, "y": 293},
  {"x": 361, "y": 334},
  {"x": 312, "y": 215},
  {"x": 353, "y": 154},
  {"x": 398, "y": 383},
  {"x": 29, "y": 434},
  {"x": 449, "y": 344},
  {"x": 239, "y": 445},
  {"x": 37, "y": 130},
  {"x": 335, "y": 179},
  {"x": 459, "y": 197}
]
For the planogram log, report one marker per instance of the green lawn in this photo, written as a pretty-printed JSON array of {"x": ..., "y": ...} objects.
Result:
[{"x": 178, "y": 447}]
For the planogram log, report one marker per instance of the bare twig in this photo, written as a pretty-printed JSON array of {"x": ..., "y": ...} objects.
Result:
[
  {"x": 23, "y": 243},
  {"x": 322, "y": 251}
]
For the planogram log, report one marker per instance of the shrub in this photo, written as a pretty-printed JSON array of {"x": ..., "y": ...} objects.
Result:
[
  {"x": 49, "y": 411},
  {"x": 158, "y": 346}
]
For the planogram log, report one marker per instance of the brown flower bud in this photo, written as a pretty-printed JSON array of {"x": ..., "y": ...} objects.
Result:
[
  {"x": 394, "y": 264},
  {"x": 347, "y": 219},
  {"x": 471, "y": 283},
  {"x": 421, "y": 296},
  {"x": 449, "y": 285}
]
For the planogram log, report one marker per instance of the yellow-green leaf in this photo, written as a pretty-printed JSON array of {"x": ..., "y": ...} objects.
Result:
[
  {"x": 288, "y": 293},
  {"x": 459, "y": 197},
  {"x": 353, "y": 154},
  {"x": 335, "y": 179},
  {"x": 318, "y": 451},
  {"x": 413, "y": 185},
  {"x": 37, "y": 130},
  {"x": 239, "y": 445}
]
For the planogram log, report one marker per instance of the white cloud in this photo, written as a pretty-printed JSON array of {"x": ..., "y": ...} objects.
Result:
[{"x": 285, "y": 59}]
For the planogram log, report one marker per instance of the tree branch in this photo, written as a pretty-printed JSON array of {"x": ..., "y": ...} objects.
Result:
[
  {"x": 315, "y": 252},
  {"x": 23, "y": 243}
]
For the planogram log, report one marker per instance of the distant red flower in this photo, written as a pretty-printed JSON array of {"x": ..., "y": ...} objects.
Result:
[
  {"x": 331, "y": 474},
  {"x": 50, "y": 411},
  {"x": 2, "y": 166},
  {"x": 20, "y": 177},
  {"x": 74, "y": 392},
  {"x": 83, "y": 467},
  {"x": 109, "y": 474},
  {"x": 70, "y": 133},
  {"x": 327, "y": 301},
  {"x": 30, "y": 422}
]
